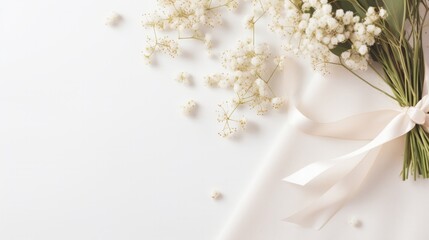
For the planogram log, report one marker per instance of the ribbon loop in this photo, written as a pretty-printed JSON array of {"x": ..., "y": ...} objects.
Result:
[{"x": 416, "y": 115}]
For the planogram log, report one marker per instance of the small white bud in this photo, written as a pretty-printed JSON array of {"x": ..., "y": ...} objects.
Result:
[
  {"x": 189, "y": 107},
  {"x": 382, "y": 13},
  {"x": 354, "y": 222},
  {"x": 363, "y": 50},
  {"x": 113, "y": 19},
  {"x": 277, "y": 102},
  {"x": 216, "y": 195}
]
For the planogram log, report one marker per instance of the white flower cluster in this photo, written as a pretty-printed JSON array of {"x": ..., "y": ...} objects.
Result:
[
  {"x": 161, "y": 44},
  {"x": 231, "y": 125},
  {"x": 273, "y": 8},
  {"x": 320, "y": 30},
  {"x": 362, "y": 38},
  {"x": 189, "y": 18},
  {"x": 247, "y": 65}
]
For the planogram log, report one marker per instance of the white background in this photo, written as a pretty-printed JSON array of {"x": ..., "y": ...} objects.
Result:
[{"x": 92, "y": 141}]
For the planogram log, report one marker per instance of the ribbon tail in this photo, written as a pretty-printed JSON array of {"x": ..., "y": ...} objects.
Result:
[
  {"x": 317, "y": 214},
  {"x": 397, "y": 127},
  {"x": 325, "y": 173},
  {"x": 343, "y": 175}
]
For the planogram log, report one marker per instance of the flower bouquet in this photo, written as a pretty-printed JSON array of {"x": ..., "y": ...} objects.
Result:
[{"x": 383, "y": 35}]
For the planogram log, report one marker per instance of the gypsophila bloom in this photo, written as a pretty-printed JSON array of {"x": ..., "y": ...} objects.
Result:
[
  {"x": 249, "y": 67},
  {"x": 113, "y": 19},
  {"x": 183, "y": 78},
  {"x": 277, "y": 102},
  {"x": 216, "y": 195},
  {"x": 249, "y": 78},
  {"x": 208, "y": 43},
  {"x": 189, "y": 107},
  {"x": 224, "y": 117},
  {"x": 243, "y": 123},
  {"x": 319, "y": 31},
  {"x": 213, "y": 80},
  {"x": 249, "y": 22},
  {"x": 279, "y": 61},
  {"x": 383, "y": 13},
  {"x": 164, "y": 45},
  {"x": 189, "y": 18},
  {"x": 245, "y": 64}
]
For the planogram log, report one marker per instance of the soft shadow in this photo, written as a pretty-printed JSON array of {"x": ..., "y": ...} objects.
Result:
[
  {"x": 252, "y": 128},
  {"x": 186, "y": 54}
]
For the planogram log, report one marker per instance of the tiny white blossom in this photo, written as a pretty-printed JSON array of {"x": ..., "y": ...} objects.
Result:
[
  {"x": 377, "y": 31},
  {"x": 243, "y": 123},
  {"x": 370, "y": 11},
  {"x": 382, "y": 13},
  {"x": 216, "y": 195},
  {"x": 277, "y": 102},
  {"x": 339, "y": 13},
  {"x": 327, "y": 8},
  {"x": 370, "y": 28},
  {"x": 249, "y": 22},
  {"x": 345, "y": 55},
  {"x": 186, "y": 17},
  {"x": 256, "y": 61},
  {"x": 113, "y": 19},
  {"x": 208, "y": 41},
  {"x": 189, "y": 107},
  {"x": 184, "y": 78},
  {"x": 363, "y": 50}
]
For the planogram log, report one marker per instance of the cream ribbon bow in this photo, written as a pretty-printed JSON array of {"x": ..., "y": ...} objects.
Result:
[{"x": 343, "y": 175}]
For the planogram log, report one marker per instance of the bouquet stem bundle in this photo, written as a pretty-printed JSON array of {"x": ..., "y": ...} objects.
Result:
[{"x": 400, "y": 52}]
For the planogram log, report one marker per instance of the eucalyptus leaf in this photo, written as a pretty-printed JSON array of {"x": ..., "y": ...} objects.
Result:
[
  {"x": 396, "y": 15},
  {"x": 369, "y": 3},
  {"x": 341, "y": 47},
  {"x": 353, "y": 6}
]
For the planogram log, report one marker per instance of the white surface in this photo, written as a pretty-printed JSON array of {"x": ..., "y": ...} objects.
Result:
[
  {"x": 93, "y": 144},
  {"x": 92, "y": 141}
]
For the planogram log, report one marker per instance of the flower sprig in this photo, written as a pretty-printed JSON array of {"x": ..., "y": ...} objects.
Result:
[
  {"x": 250, "y": 80},
  {"x": 189, "y": 18},
  {"x": 248, "y": 74},
  {"x": 250, "y": 66}
]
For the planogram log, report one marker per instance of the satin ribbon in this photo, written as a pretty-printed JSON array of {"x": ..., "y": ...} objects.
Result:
[{"x": 343, "y": 175}]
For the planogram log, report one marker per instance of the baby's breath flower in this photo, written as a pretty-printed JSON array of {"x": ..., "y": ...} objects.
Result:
[
  {"x": 189, "y": 107},
  {"x": 277, "y": 102},
  {"x": 189, "y": 18},
  {"x": 319, "y": 30},
  {"x": 213, "y": 80},
  {"x": 162, "y": 44},
  {"x": 113, "y": 19},
  {"x": 184, "y": 78},
  {"x": 249, "y": 22},
  {"x": 250, "y": 66},
  {"x": 279, "y": 61},
  {"x": 382, "y": 13},
  {"x": 247, "y": 65},
  {"x": 243, "y": 123},
  {"x": 208, "y": 41}
]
